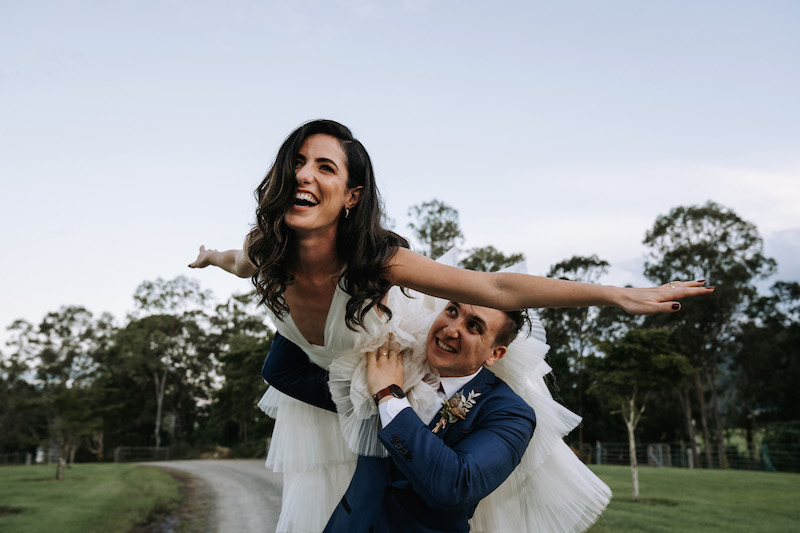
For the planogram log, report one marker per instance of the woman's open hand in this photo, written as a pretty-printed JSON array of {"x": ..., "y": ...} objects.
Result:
[
  {"x": 663, "y": 299},
  {"x": 203, "y": 258}
]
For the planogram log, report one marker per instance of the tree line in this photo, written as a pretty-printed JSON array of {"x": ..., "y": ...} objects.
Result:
[
  {"x": 180, "y": 372},
  {"x": 183, "y": 372}
]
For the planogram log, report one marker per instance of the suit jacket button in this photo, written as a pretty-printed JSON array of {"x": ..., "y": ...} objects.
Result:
[{"x": 398, "y": 445}]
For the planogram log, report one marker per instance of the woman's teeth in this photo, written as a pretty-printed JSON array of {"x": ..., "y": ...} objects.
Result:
[{"x": 303, "y": 198}]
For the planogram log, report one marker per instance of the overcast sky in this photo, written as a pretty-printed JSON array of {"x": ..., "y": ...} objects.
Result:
[{"x": 132, "y": 132}]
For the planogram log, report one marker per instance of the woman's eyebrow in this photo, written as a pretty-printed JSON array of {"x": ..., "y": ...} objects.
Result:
[{"x": 326, "y": 160}]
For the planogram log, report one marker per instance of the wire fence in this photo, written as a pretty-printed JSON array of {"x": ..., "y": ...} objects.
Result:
[
  {"x": 122, "y": 454},
  {"x": 679, "y": 455},
  {"x": 673, "y": 454},
  {"x": 130, "y": 454},
  {"x": 42, "y": 456},
  {"x": 17, "y": 458}
]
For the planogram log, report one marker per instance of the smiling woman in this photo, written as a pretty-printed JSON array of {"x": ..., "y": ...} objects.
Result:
[
  {"x": 322, "y": 188},
  {"x": 319, "y": 210},
  {"x": 318, "y": 249},
  {"x": 330, "y": 275}
]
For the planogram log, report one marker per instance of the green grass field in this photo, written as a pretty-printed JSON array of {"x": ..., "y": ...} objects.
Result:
[
  {"x": 674, "y": 499},
  {"x": 92, "y": 498},
  {"x": 119, "y": 497}
]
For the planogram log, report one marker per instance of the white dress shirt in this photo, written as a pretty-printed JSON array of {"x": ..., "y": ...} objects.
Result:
[{"x": 389, "y": 409}]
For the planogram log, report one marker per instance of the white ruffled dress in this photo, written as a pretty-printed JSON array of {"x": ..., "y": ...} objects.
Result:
[{"x": 550, "y": 491}]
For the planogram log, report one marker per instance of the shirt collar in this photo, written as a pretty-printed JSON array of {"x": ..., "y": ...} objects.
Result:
[{"x": 455, "y": 384}]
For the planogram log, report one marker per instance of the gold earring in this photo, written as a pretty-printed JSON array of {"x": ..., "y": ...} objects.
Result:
[{"x": 346, "y": 212}]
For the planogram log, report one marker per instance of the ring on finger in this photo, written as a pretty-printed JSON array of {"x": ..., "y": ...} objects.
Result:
[{"x": 672, "y": 284}]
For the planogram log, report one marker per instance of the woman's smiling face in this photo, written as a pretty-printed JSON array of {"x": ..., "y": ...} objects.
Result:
[{"x": 322, "y": 191}]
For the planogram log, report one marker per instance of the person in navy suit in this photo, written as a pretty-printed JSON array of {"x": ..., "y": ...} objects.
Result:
[{"x": 441, "y": 465}]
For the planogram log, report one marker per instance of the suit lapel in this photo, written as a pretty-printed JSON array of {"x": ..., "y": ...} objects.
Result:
[{"x": 481, "y": 384}]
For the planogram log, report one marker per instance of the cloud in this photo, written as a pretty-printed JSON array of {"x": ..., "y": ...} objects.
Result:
[
  {"x": 784, "y": 247},
  {"x": 767, "y": 198}
]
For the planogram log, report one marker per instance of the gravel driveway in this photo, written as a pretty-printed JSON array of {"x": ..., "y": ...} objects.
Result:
[{"x": 243, "y": 495}]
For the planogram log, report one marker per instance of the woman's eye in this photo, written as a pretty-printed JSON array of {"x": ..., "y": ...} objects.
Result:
[{"x": 326, "y": 168}]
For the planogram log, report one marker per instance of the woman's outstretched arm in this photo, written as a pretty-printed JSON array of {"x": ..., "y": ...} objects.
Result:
[
  {"x": 510, "y": 291},
  {"x": 234, "y": 261}
]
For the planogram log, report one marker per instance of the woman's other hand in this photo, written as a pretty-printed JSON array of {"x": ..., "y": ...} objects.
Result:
[
  {"x": 385, "y": 366},
  {"x": 663, "y": 299}
]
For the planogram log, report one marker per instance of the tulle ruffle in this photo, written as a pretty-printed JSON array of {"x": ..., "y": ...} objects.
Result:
[
  {"x": 308, "y": 448},
  {"x": 523, "y": 368},
  {"x": 557, "y": 497},
  {"x": 310, "y": 497},
  {"x": 305, "y": 438},
  {"x": 358, "y": 414}
]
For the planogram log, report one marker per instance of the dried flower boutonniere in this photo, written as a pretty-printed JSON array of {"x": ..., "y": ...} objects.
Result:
[{"x": 455, "y": 408}]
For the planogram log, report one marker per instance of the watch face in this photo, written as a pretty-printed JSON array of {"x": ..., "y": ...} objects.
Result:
[{"x": 396, "y": 391}]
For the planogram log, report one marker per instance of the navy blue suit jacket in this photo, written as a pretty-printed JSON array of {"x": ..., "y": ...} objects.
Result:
[{"x": 431, "y": 482}]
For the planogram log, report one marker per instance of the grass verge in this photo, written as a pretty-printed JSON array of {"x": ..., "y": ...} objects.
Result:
[
  {"x": 677, "y": 499},
  {"x": 92, "y": 498},
  {"x": 125, "y": 497}
]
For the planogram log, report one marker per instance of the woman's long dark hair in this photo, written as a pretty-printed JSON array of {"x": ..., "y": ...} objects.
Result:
[{"x": 361, "y": 241}]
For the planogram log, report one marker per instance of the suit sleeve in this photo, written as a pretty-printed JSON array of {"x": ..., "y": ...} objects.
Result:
[
  {"x": 288, "y": 369},
  {"x": 471, "y": 469}
]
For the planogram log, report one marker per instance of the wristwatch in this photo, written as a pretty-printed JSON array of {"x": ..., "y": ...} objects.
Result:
[{"x": 392, "y": 389}]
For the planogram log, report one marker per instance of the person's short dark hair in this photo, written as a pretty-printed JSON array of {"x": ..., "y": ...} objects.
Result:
[{"x": 515, "y": 322}]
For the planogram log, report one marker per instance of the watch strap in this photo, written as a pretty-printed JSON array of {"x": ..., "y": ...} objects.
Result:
[{"x": 391, "y": 390}]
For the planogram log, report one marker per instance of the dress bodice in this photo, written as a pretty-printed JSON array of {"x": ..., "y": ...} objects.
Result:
[{"x": 339, "y": 339}]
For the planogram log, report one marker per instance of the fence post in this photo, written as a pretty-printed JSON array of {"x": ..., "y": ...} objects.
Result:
[{"x": 767, "y": 460}]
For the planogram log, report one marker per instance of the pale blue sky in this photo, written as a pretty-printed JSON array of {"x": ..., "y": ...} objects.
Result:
[{"x": 132, "y": 132}]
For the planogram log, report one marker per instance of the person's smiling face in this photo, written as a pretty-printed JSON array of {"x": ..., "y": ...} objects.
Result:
[
  {"x": 463, "y": 338},
  {"x": 322, "y": 191}
]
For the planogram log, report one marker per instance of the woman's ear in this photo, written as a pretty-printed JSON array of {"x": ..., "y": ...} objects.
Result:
[{"x": 353, "y": 197}]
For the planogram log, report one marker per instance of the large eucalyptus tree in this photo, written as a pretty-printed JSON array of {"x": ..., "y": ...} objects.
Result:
[{"x": 707, "y": 242}]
